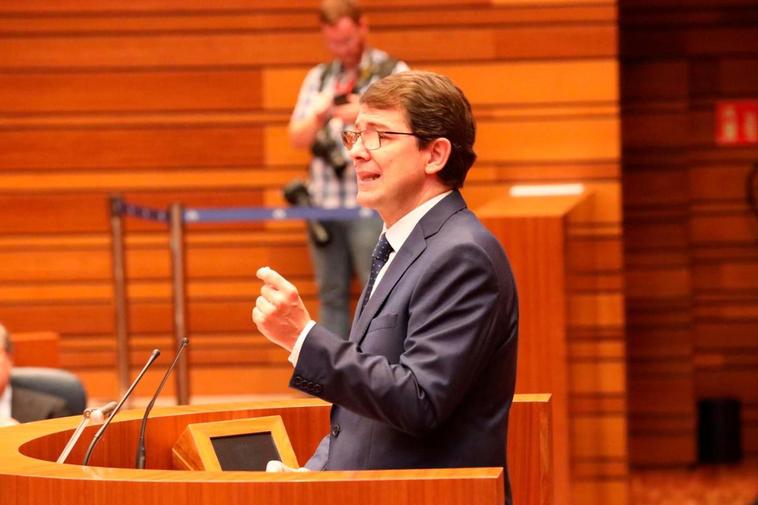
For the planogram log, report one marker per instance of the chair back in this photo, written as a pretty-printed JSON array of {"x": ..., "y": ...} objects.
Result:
[{"x": 52, "y": 381}]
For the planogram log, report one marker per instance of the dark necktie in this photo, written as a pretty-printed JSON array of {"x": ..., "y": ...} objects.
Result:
[{"x": 378, "y": 259}]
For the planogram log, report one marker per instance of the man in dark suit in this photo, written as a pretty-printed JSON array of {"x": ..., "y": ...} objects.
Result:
[
  {"x": 427, "y": 375},
  {"x": 21, "y": 405}
]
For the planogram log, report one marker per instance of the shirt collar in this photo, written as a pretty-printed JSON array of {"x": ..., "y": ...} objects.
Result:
[
  {"x": 5, "y": 402},
  {"x": 399, "y": 232}
]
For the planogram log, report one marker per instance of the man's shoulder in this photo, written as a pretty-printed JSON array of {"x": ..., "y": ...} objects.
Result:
[
  {"x": 316, "y": 72},
  {"x": 379, "y": 57},
  {"x": 461, "y": 228},
  {"x": 464, "y": 227},
  {"x": 30, "y": 395},
  {"x": 377, "y": 54},
  {"x": 30, "y": 405},
  {"x": 444, "y": 213}
]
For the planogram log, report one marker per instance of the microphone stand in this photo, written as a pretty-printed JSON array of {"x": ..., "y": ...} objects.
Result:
[
  {"x": 89, "y": 416},
  {"x": 105, "y": 425},
  {"x": 140, "y": 461}
]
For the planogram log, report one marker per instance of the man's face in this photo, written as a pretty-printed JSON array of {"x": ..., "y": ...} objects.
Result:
[
  {"x": 345, "y": 40},
  {"x": 391, "y": 179}
]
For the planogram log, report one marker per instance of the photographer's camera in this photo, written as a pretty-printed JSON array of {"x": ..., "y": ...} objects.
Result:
[{"x": 329, "y": 150}]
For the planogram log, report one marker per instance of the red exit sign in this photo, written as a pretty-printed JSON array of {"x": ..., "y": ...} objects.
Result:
[{"x": 737, "y": 122}]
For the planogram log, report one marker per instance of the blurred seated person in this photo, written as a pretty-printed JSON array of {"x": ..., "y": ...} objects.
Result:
[{"x": 21, "y": 405}]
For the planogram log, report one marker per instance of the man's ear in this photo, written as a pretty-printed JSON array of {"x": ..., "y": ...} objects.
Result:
[{"x": 438, "y": 151}]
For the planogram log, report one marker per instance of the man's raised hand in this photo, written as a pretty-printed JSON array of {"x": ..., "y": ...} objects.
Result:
[{"x": 279, "y": 312}]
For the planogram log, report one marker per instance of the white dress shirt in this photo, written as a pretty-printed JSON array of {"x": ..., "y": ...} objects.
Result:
[
  {"x": 396, "y": 235},
  {"x": 5, "y": 403}
]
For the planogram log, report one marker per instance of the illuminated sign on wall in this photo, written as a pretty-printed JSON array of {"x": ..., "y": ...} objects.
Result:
[{"x": 737, "y": 122}]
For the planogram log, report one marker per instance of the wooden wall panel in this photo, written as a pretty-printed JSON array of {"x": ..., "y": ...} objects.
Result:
[
  {"x": 177, "y": 180},
  {"x": 692, "y": 265},
  {"x": 172, "y": 100},
  {"x": 139, "y": 91},
  {"x": 508, "y": 83},
  {"x": 15, "y": 6},
  {"x": 89, "y": 264},
  {"x": 271, "y": 48},
  {"x": 547, "y": 141},
  {"x": 98, "y": 148}
]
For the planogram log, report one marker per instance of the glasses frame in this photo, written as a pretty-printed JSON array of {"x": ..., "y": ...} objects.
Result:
[{"x": 359, "y": 135}]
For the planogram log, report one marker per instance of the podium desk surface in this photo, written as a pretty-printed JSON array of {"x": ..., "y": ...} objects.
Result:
[{"x": 29, "y": 474}]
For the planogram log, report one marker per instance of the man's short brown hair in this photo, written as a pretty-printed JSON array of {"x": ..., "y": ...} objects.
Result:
[
  {"x": 333, "y": 10},
  {"x": 434, "y": 108}
]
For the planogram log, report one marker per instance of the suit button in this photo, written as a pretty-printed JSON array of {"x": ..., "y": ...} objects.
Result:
[
  {"x": 317, "y": 388},
  {"x": 298, "y": 380},
  {"x": 336, "y": 430}
]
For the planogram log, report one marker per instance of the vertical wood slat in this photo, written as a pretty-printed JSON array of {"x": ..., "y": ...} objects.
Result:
[{"x": 589, "y": 443}]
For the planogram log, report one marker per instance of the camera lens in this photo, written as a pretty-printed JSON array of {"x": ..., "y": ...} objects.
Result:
[{"x": 326, "y": 148}]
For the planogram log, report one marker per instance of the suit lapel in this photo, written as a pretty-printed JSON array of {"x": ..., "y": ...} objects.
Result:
[
  {"x": 357, "y": 311},
  {"x": 410, "y": 250}
]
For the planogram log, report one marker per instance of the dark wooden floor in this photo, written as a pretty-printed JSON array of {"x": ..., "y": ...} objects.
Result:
[{"x": 704, "y": 485}]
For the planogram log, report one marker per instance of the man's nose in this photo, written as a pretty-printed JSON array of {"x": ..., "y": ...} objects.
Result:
[{"x": 358, "y": 150}]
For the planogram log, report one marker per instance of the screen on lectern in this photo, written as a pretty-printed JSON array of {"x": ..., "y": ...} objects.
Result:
[{"x": 248, "y": 451}]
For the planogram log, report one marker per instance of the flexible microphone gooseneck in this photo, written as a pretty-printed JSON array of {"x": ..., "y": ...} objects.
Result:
[
  {"x": 107, "y": 423},
  {"x": 96, "y": 415},
  {"x": 140, "y": 462}
]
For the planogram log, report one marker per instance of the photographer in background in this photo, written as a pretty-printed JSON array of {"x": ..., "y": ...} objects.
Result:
[{"x": 326, "y": 106}]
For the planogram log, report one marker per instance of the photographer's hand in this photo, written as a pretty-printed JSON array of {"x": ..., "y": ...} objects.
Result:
[
  {"x": 348, "y": 111},
  {"x": 323, "y": 104},
  {"x": 303, "y": 131}
]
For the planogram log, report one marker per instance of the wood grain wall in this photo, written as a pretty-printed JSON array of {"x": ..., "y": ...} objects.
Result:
[
  {"x": 176, "y": 100},
  {"x": 691, "y": 243}
]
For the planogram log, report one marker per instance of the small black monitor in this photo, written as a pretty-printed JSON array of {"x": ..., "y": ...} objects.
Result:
[
  {"x": 235, "y": 444},
  {"x": 248, "y": 451}
]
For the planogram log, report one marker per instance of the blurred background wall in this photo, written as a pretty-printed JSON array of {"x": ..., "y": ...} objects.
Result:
[{"x": 690, "y": 238}]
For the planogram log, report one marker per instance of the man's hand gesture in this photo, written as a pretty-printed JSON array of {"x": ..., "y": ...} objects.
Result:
[{"x": 279, "y": 312}]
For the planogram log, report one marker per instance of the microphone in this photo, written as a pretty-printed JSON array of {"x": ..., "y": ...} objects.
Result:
[
  {"x": 88, "y": 416},
  {"x": 98, "y": 415},
  {"x": 297, "y": 194},
  {"x": 140, "y": 462},
  {"x": 107, "y": 423}
]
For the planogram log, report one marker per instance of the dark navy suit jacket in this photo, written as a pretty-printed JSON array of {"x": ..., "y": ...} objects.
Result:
[
  {"x": 426, "y": 378},
  {"x": 28, "y": 405}
]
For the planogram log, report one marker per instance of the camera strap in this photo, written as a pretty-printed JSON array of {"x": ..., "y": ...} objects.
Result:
[{"x": 325, "y": 146}]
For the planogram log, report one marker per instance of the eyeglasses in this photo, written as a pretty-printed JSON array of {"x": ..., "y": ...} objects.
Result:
[{"x": 372, "y": 139}]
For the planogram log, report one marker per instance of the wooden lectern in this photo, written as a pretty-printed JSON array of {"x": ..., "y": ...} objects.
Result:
[{"x": 29, "y": 476}]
